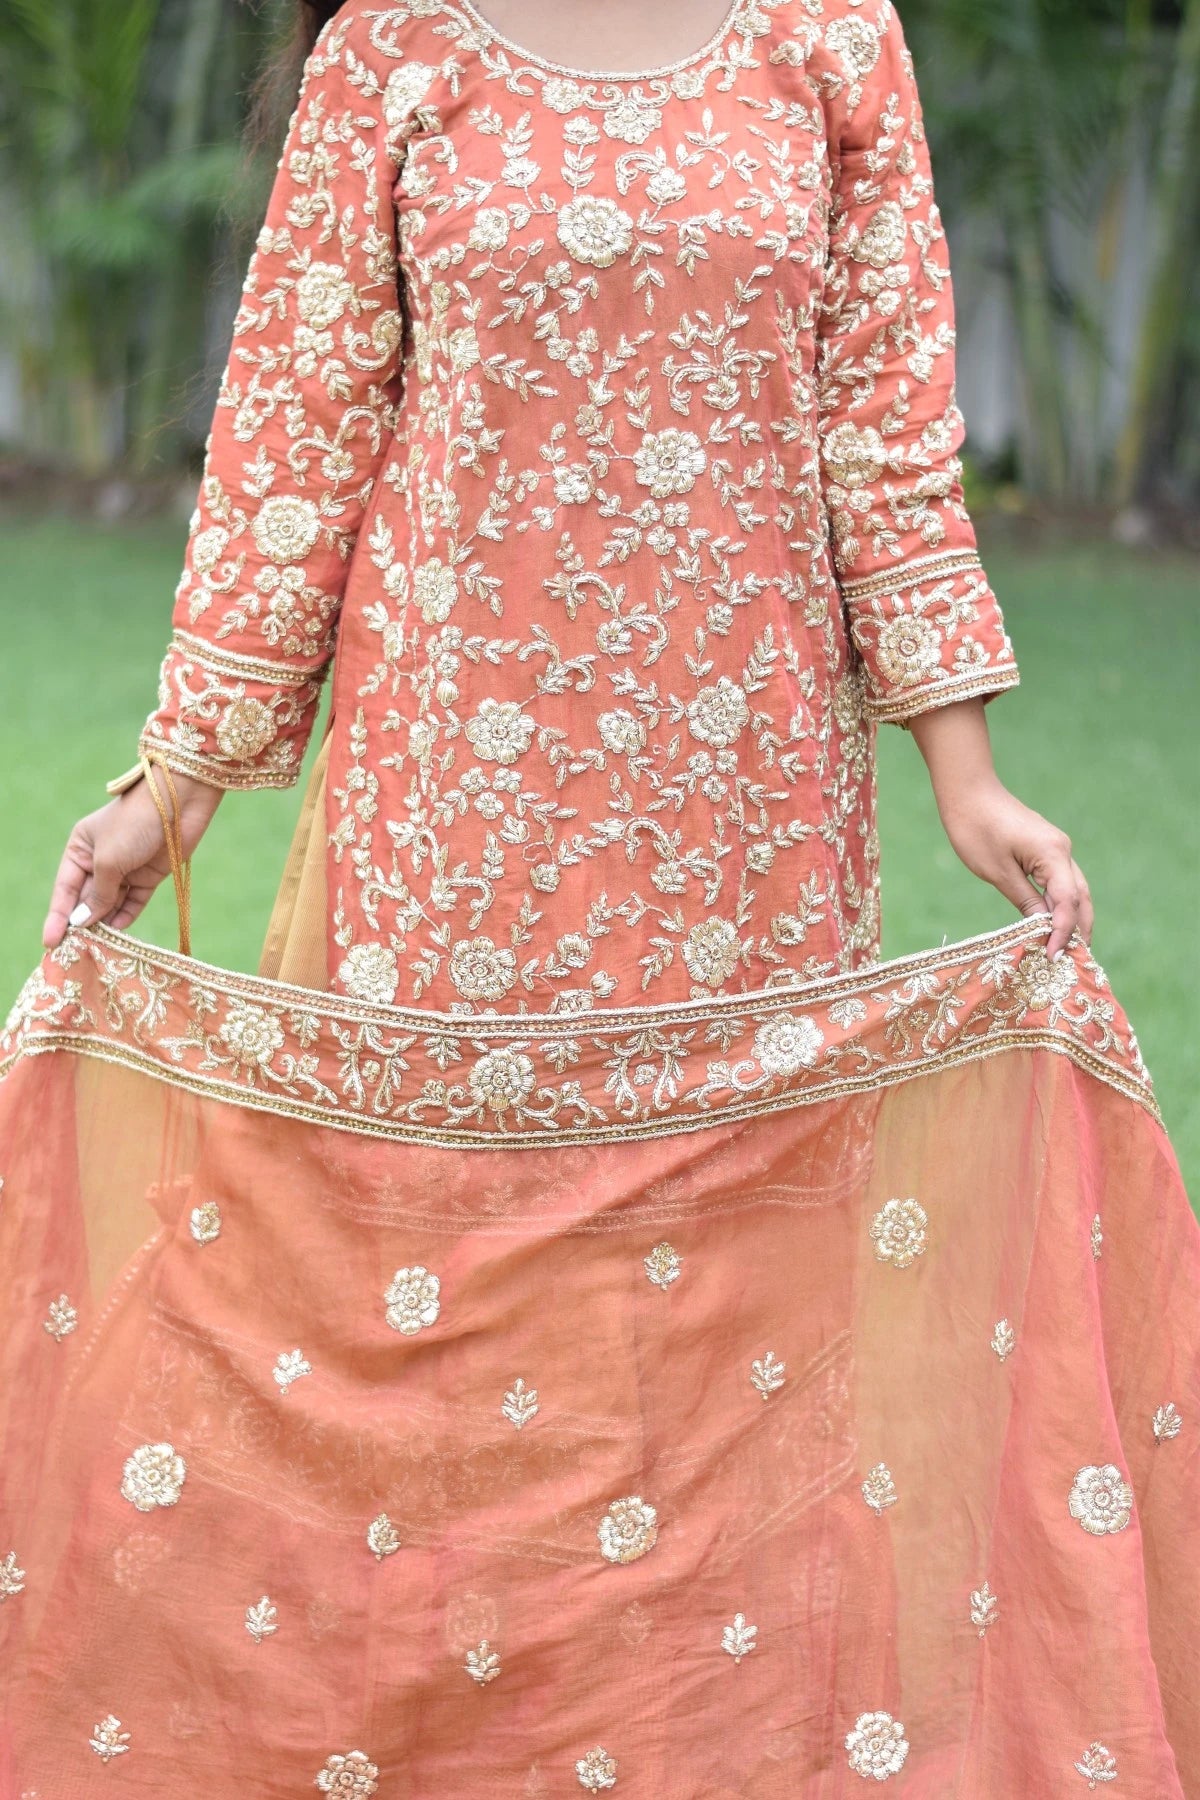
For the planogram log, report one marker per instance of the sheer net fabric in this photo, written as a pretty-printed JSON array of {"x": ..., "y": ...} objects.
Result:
[{"x": 852, "y": 1438}]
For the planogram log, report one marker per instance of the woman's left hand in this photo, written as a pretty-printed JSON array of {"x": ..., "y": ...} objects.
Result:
[{"x": 997, "y": 836}]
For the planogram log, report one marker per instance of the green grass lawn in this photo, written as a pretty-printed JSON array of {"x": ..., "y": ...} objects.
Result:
[{"x": 1101, "y": 737}]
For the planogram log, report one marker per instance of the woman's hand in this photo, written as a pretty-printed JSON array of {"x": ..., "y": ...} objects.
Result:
[
  {"x": 999, "y": 838},
  {"x": 117, "y": 856}
]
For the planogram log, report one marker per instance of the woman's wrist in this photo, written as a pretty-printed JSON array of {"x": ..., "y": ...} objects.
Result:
[{"x": 957, "y": 748}]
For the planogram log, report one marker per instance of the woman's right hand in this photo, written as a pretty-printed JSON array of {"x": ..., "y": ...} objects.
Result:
[{"x": 117, "y": 856}]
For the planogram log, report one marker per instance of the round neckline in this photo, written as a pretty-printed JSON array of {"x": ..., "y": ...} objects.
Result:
[{"x": 495, "y": 36}]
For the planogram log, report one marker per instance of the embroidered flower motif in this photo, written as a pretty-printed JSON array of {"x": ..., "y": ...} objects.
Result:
[
  {"x": 262, "y": 1619},
  {"x": 1004, "y": 1340},
  {"x": 711, "y": 951},
  {"x": 898, "y": 1232},
  {"x": 382, "y": 1537},
  {"x": 985, "y": 1609},
  {"x": 500, "y": 732},
  {"x": 666, "y": 185},
  {"x": 483, "y": 1664},
  {"x": 62, "y": 1319},
  {"x": 153, "y": 1476},
  {"x": 768, "y": 1374},
  {"x": 12, "y": 1579},
  {"x": 407, "y": 88},
  {"x": 738, "y": 1639},
  {"x": 503, "y": 1079},
  {"x": 908, "y": 651},
  {"x": 597, "y": 1770},
  {"x": 594, "y": 230},
  {"x": 482, "y": 970},
  {"x": 491, "y": 229},
  {"x": 845, "y": 1014},
  {"x": 253, "y": 1035},
  {"x": 290, "y": 1365},
  {"x": 719, "y": 714},
  {"x": 669, "y": 462},
  {"x": 352, "y": 1777},
  {"x": 662, "y": 1266},
  {"x": 877, "y": 1746},
  {"x": 882, "y": 240},
  {"x": 621, "y": 733},
  {"x": 435, "y": 590},
  {"x": 108, "y": 1740},
  {"x": 520, "y": 1404},
  {"x": 464, "y": 349},
  {"x": 573, "y": 485},
  {"x": 323, "y": 295},
  {"x": 245, "y": 729},
  {"x": 286, "y": 528},
  {"x": 561, "y": 95},
  {"x": 413, "y": 1300},
  {"x": 628, "y": 1530},
  {"x": 879, "y": 1489},
  {"x": 1097, "y": 1765},
  {"x": 788, "y": 1043},
  {"x": 1167, "y": 1422},
  {"x": 371, "y": 972},
  {"x": 857, "y": 45},
  {"x": 854, "y": 455},
  {"x": 1101, "y": 1500},
  {"x": 631, "y": 120},
  {"x": 1042, "y": 984},
  {"x": 205, "y": 1224}
]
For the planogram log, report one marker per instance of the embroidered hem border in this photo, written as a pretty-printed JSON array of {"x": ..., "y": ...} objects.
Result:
[{"x": 517, "y": 1080}]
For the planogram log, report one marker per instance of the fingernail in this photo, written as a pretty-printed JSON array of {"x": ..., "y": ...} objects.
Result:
[
  {"x": 81, "y": 915},
  {"x": 1057, "y": 957}
]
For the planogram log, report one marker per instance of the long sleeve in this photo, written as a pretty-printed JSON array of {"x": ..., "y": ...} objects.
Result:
[
  {"x": 921, "y": 613},
  {"x": 307, "y": 405}
]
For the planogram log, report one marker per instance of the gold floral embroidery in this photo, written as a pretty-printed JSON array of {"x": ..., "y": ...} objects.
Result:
[
  {"x": 663, "y": 1266},
  {"x": 879, "y": 1490},
  {"x": 63, "y": 1319},
  {"x": 898, "y": 1232},
  {"x": 739, "y": 1638},
  {"x": 597, "y": 1771},
  {"x": 985, "y": 1609},
  {"x": 12, "y": 1579},
  {"x": 350, "y": 1777},
  {"x": 290, "y": 1366},
  {"x": 483, "y": 1664},
  {"x": 877, "y": 1746},
  {"x": 1101, "y": 1500},
  {"x": 108, "y": 1740},
  {"x": 413, "y": 1301},
  {"x": 1167, "y": 1422},
  {"x": 382, "y": 1537},
  {"x": 1004, "y": 1340},
  {"x": 628, "y": 1530},
  {"x": 262, "y": 1619},
  {"x": 1097, "y": 1765},
  {"x": 520, "y": 1404},
  {"x": 153, "y": 1476},
  {"x": 205, "y": 1223},
  {"x": 768, "y": 1374}
]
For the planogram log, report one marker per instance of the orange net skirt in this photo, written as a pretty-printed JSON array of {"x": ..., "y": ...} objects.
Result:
[{"x": 743, "y": 1400}]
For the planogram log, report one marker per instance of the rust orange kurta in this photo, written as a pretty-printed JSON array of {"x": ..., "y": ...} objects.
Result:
[{"x": 600, "y": 430}]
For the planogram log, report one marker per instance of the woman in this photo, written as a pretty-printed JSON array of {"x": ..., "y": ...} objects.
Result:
[{"x": 591, "y": 412}]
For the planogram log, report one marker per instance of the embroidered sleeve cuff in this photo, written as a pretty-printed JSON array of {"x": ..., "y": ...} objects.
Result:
[
  {"x": 232, "y": 721},
  {"x": 930, "y": 632}
]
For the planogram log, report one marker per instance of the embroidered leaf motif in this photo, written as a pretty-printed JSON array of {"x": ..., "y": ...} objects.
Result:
[
  {"x": 768, "y": 1375},
  {"x": 108, "y": 1740},
  {"x": 12, "y": 1579},
  {"x": 262, "y": 1620},
  {"x": 1004, "y": 1340},
  {"x": 520, "y": 1404},
  {"x": 663, "y": 1265},
  {"x": 482, "y": 1665},
  {"x": 1096, "y": 1765},
  {"x": 206, "y": 1222},
  {"x": 738, "y": 1639},
  {"x": 985, "y": 1608},
  {"x": 382, "y": 1537},
  {"x": 63, "y": 1319},
  {"x": 879, "y": 1490},
  {"x": 290, "y": 1365},
  {"x": 1167, "y": 1422},
  {"x": 1097, "y": 1237}
]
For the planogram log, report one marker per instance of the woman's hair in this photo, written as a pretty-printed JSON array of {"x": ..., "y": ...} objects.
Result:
[
  {"x": 313, "y": 15},
  {"x": 276, "y": 88}
]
